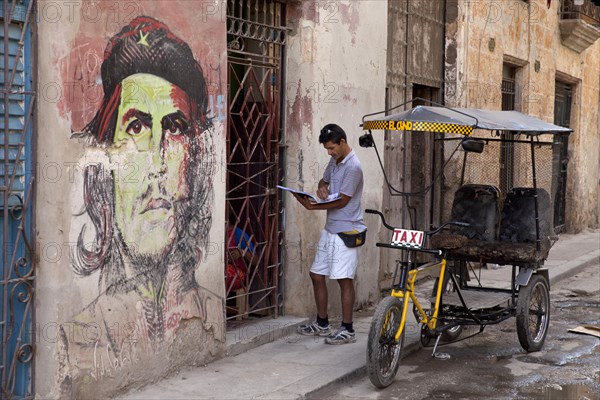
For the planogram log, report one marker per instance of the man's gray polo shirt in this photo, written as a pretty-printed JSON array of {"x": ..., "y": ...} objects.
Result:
[{"x": 345, "y": 178}]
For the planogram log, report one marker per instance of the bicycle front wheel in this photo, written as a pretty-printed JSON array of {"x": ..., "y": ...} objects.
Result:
[{"x": 383, "y": 351}]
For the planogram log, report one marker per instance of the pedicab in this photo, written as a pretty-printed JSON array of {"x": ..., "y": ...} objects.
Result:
[{"x": 491, "y": 218}]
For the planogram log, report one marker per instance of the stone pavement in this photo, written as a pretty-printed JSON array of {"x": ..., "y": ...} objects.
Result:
[{"x": 269, "y": 360}]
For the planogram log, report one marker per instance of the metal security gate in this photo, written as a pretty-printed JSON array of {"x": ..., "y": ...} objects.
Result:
[
  {"x": 507, "y": 152},
  {"x": 16, "y": 271},
  {"x": 256, "y": 37},
  {"x": 563, "y": 99}
]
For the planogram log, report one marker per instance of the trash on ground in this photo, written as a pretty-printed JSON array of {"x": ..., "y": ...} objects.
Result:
[{"x": 587, "y": 330}]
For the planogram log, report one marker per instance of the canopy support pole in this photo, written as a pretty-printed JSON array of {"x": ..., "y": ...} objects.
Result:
[{"x": 535, "y": 197}]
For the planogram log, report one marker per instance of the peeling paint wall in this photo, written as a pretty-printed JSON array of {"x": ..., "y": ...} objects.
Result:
[
  {"x": 130, "y": 269},
  {"x": 480, "y": 36},
  {"x": 336, "y": 66}
]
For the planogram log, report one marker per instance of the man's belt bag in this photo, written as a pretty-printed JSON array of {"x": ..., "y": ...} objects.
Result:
[{"x": 352, "y": 239}]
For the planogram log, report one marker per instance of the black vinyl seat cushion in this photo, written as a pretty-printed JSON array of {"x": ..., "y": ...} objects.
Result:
[{"x": 516, "y": 243}]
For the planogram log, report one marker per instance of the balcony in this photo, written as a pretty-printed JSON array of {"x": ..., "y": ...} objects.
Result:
[{"x": 579, "y": 24}]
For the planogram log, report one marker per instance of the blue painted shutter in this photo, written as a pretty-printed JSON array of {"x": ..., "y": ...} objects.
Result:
[
  {"x": 17, "y": 107},
  {"x": 16, "y": 269}
]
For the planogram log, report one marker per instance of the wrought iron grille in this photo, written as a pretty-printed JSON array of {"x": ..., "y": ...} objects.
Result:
[
  {"x": 589, "y": 11},
  {"x": 507, "y": 156},
  {"x": 256, "y": 38},
  {"x": 508, "y": 93},
  {"x": 562, "y": 116},
  {"x": 17, "y": 270}
]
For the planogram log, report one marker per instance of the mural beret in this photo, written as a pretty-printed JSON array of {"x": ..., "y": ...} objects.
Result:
[{"x": 146, "y": 45}]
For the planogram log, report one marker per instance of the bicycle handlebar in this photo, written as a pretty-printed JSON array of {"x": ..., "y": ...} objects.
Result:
[
  {"x": 428, "y": 233},
  {"x": 370, "y": 211}
]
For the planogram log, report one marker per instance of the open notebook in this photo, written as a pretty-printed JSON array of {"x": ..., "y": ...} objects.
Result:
[{"x": 313, "y": 198}]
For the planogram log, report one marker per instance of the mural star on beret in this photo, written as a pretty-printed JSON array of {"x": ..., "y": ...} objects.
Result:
[{"x": 142, "y": 40}]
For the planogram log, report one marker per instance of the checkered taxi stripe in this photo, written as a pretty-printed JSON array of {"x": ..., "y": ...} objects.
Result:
[
  {"x": 465, "y": 130},
  {"x": 407, "y": 245}
]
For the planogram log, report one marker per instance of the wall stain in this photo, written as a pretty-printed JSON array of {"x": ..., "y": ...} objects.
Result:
[
  {"x": 350, "y": 17},
  {"x": 349, "y": 99},
  {"x": 300, "y": 112}
]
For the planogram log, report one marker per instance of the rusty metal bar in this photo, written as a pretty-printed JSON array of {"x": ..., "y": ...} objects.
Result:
[
  {"x": 257, "y": 37},
  {"x": 21, "y": 43},
  {"x": 587, "y": 11},
  {"x": 18, "y": 272},
  {"x": 5, "y": 278}
]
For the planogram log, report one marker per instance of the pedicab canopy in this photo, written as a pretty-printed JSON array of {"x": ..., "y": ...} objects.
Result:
[{"x": 460, "y": 121}]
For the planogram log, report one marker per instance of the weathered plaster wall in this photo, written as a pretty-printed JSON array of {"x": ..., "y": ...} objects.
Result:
[
  {"x": 141, "y": 295},
  {"x": 336, "y": 63},
  {"x": 583, "y": 180},
  {"x": 481, "y": 35}
]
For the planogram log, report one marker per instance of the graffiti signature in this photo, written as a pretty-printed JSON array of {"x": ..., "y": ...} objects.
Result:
[{"x": 127, "y": 355}]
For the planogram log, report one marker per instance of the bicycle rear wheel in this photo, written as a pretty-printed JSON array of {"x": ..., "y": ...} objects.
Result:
[
  {"x": 533, "y": 313},
  {"x": 383, "y": 351}
]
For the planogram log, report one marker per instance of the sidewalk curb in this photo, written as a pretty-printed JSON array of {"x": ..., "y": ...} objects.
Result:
[
  {"x": 573, "y": 267},
  {"x": 358, "y": 373},
  {"x": 253, "y": 335},
  {"x": 411, "y": 345}
]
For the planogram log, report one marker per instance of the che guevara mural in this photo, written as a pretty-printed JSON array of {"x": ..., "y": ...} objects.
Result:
[{"x": 145, "y": 205}]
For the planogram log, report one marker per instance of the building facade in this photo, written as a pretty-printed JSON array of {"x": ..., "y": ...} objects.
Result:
[{"x": 541, "y": 58}]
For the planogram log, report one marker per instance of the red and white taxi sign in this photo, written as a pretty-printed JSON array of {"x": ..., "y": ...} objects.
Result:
[{"x": 407, "y": 238}]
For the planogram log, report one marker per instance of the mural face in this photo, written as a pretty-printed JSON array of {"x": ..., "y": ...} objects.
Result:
[
  {"x": 148, "y": 203},
  {"x": 154, "y": 122}
]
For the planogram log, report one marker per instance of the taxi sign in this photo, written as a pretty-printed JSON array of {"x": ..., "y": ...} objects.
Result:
[{"x": 408, "y": 238}]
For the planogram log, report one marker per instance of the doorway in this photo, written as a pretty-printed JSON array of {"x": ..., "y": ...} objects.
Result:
[{"x": 256, "y": 38}]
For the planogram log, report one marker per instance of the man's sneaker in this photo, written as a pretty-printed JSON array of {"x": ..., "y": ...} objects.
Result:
[
  {"x": 341, "y": 336},
  {"x": 314, "y": 329}
]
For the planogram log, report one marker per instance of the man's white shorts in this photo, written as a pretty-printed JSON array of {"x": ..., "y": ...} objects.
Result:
[{"x": 333, "y": 258}]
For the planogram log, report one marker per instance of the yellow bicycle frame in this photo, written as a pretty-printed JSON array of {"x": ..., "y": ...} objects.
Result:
[{"x": 410, "y": 291}]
